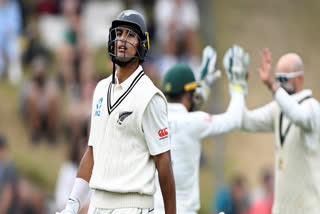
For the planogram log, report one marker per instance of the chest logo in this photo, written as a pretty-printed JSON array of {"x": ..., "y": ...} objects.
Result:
[
  {"x": 98, "y": 107},
  {"x": 122, "y": 116}
]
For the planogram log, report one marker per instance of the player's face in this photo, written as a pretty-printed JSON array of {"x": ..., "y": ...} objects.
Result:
[
  {"x": 126, "y": 43},
  {"x": 288, "y": 78},
  {"x": 287, "y": 84}
]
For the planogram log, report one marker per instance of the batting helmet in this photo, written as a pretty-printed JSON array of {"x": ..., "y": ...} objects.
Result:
[{"x": 136, "y": 21}]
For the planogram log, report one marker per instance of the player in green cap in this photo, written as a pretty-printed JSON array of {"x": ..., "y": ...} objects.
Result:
[{"x": 187, "y": 127}]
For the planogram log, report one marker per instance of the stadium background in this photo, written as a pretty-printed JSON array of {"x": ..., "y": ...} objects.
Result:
[{"x": 282, "y": 25}]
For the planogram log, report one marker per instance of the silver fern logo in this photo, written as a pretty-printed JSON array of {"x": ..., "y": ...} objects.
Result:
[{"x": 122, "y": 116}]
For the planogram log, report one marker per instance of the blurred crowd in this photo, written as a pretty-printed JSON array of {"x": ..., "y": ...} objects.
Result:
[
  {"x": 236, "y": 198},
  {"x": 54, "y": 52}
]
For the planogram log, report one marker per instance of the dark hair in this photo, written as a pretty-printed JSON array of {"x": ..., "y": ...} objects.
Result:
[{"x": 175, "y": 98}]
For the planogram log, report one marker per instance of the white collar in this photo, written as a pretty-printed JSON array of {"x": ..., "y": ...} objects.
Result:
[
  {"x": 125, "y": 84},
  {"x": 177, "y": 107},
  {"x": 302, "y": 94}
]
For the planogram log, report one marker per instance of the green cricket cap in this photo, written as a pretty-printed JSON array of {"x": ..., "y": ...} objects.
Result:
[{"x": 178, "y": 79}]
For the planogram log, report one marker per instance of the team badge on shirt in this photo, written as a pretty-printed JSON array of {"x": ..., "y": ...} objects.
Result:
[
  {"x": 98, "y": 107},
  {"x": 163, "y": 133},
  {"x": 122, "y": 116}
]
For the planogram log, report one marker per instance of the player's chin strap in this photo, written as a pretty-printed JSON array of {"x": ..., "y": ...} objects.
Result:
[
  {"x": 121, "y": 64},
  {"x": 113, "y": 73}
]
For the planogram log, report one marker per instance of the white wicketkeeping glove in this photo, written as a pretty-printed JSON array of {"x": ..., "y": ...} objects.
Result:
[
  {"x": 72, "y": 207},
  {"x": 208, "y": 74},
  {"x": 235, "y": 62}
]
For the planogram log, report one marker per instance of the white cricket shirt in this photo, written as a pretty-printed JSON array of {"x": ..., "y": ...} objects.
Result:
[
  {"x": 295, "y": 120},
  {"x": 187, "y": 129},
  {"x": 126, "y": 121}
]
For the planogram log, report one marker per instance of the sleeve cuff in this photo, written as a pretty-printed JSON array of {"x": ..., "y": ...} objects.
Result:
[{"x": 160, "y": 151}]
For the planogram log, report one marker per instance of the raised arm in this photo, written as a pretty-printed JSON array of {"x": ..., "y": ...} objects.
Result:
[
  {"x": 303, "y": 115},
  {"x": 260, "y": 119},
  {"x": 235, "y": 62},
  {"x": 290, "y": 68},
  {"x": 223, "y": 123}
]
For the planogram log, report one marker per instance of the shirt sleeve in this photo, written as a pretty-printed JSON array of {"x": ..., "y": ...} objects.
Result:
[
  {"x": 222, "y": 123},
  {"x": 260, "y": 119},
  {"x": 304, "y": 115},
  {"x": 92, "y": 124},
  {"x": 155, "y": 125}
]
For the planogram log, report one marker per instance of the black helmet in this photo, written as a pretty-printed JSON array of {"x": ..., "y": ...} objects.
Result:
[{"x": 135, "y": 20}]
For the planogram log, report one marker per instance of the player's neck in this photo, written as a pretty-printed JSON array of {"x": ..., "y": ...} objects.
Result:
[
  {"x": 186, "y": 101},
  {"x": 125, "y": 72}
]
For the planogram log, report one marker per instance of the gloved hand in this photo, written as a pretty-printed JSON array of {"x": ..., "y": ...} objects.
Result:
[
  {"x": 208, "y": 75},
  {"x": 235, "y": 62},
  {"x": 72, "y": 207}
]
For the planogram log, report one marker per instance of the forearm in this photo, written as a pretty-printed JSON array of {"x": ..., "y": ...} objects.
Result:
[
  {"x": 259, "y": 120},
  {"x": 273, "y": 85},
  {"x": 86, "y": 165},
  {"x": 168, "y": 191},
  {"x": 295, "y": 112},
  {"x": 166, "y": 180},
  {"x": 291, "y": 108},
  {"x": 231, "y": 119}
]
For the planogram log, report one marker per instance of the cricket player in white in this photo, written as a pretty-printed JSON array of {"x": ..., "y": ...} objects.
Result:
[
  {"x": 294, "y": 117},
  {"x": 129, "y": 132},
  {"x": 188, "y": 127}
]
